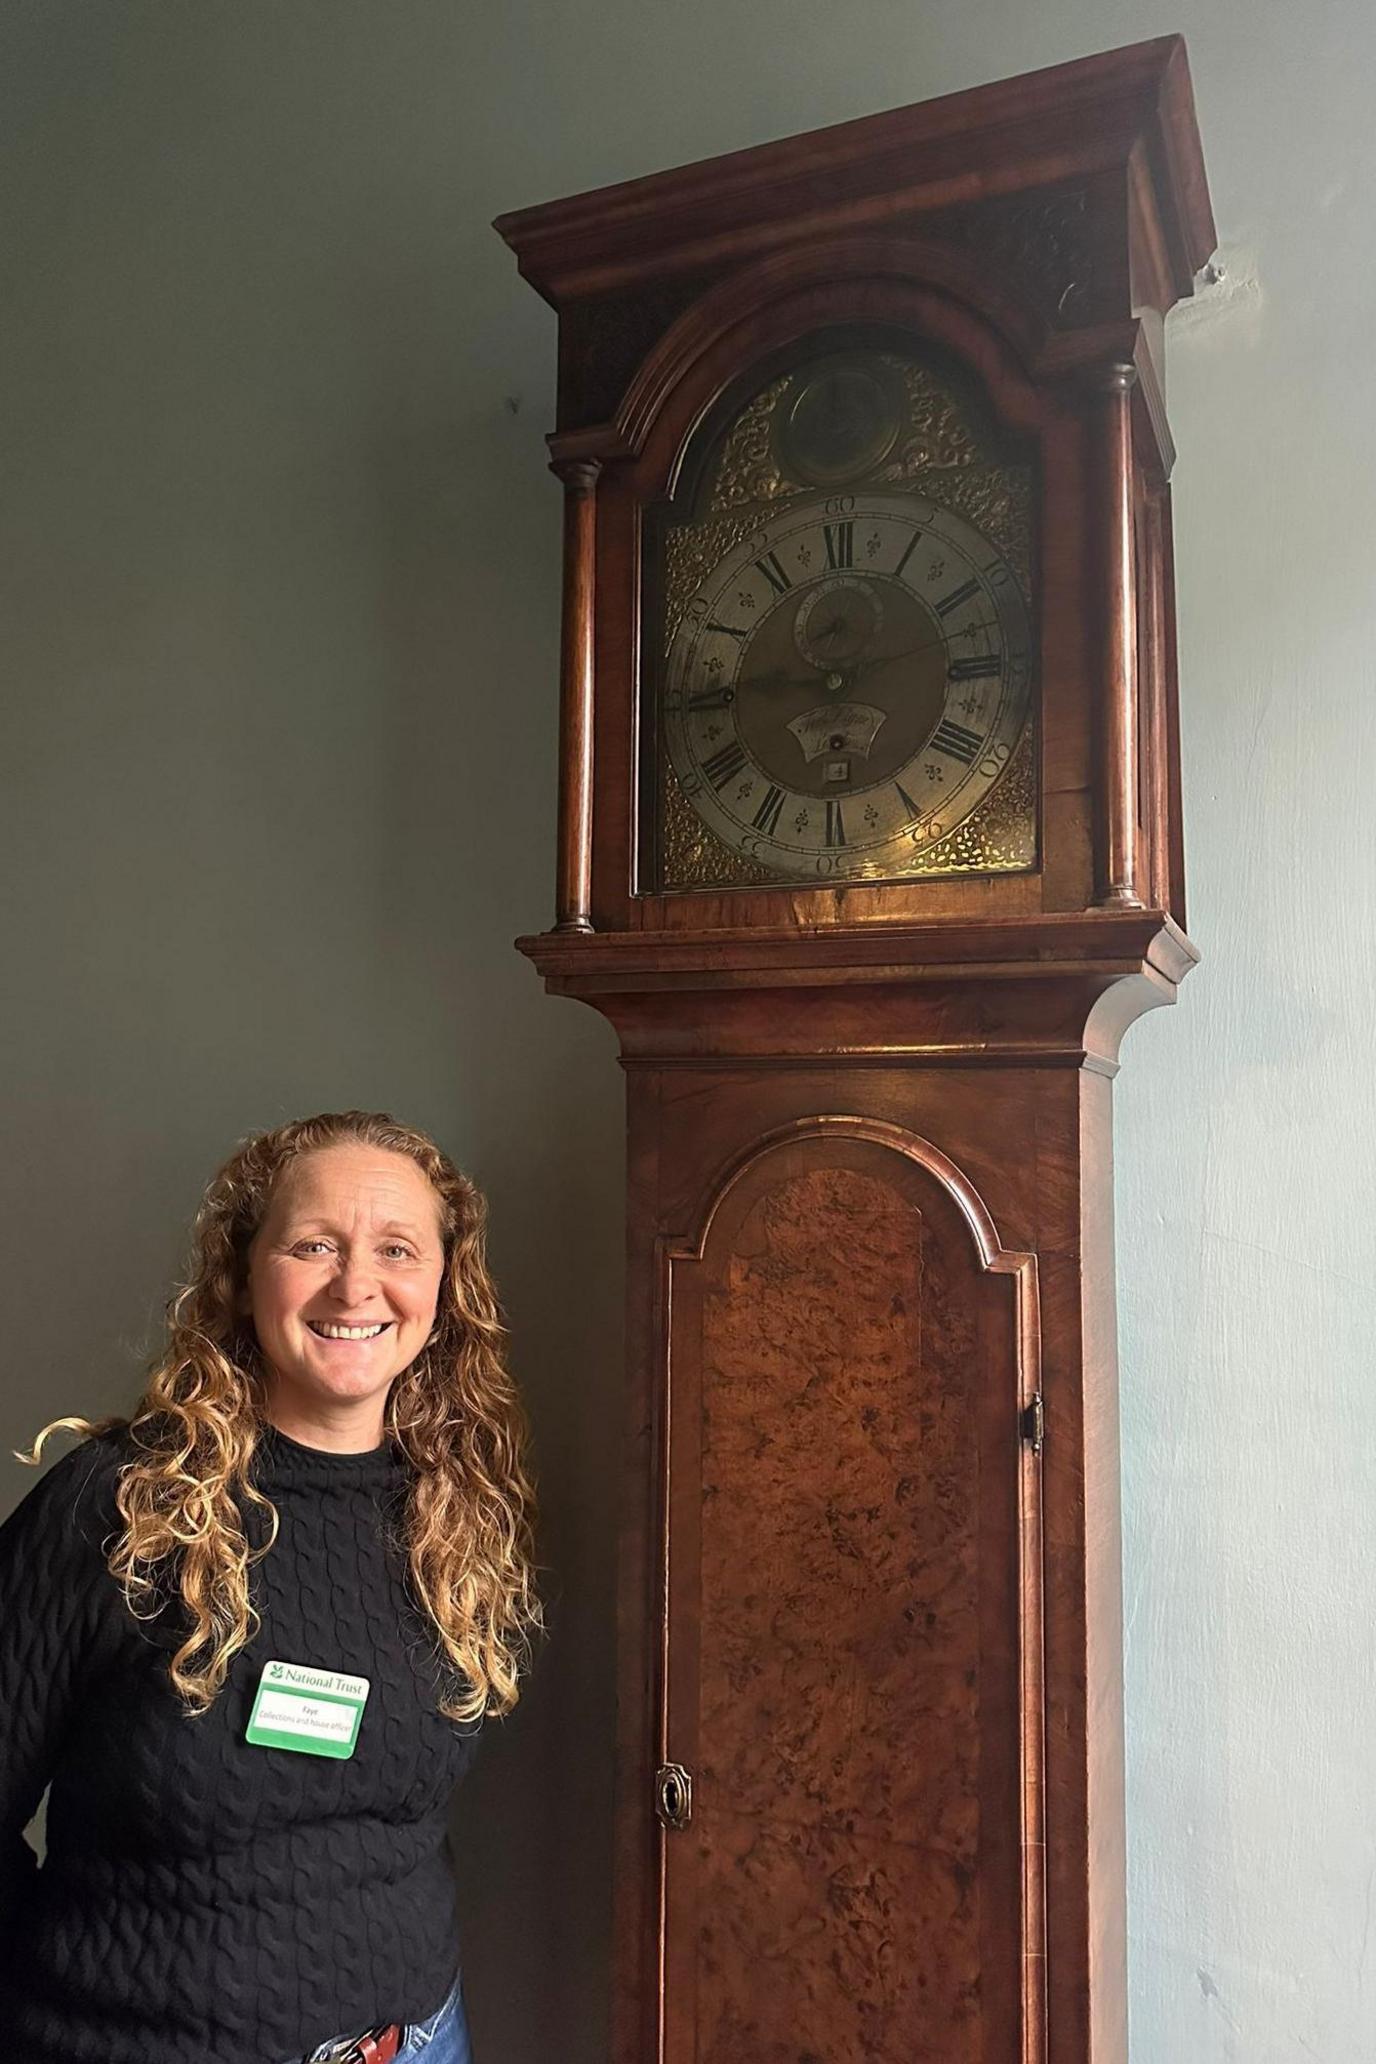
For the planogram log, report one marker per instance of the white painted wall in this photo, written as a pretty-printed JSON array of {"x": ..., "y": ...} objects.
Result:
[{"x": 280, "y": 637}]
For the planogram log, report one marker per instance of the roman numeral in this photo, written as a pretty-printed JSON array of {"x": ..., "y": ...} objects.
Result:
[
  {"x": 956, "y": 741},
  {"x": 836, "y": 830},
  {"x": 909, "y": 805},
  {"x": 956, "y": 597},
  {"x": 728, "y": 629},
  {"x": 913, "y": 542},
  {"x": 767, "y": 816},
  {"x": 840, "y": 539},
  {"x": 724, "y": 764},
  {"x": 977, "y": 669},
  {"x": 773, "y": 572}
]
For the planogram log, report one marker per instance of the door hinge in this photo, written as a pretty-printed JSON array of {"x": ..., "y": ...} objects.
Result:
[{"x": 1034, "y": 1424}]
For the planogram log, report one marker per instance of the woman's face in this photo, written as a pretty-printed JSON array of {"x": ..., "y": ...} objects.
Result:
[{"x": 343, "y": 1282}]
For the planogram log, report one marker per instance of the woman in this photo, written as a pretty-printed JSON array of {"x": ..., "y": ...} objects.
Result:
[{"x": 251, "y": 1633}]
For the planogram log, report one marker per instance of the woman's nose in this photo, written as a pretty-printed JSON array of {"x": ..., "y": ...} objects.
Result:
[{"x": 353, "y": 1280}]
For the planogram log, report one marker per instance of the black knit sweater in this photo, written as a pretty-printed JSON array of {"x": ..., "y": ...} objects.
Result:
[{"x": 203, "y": 1898}]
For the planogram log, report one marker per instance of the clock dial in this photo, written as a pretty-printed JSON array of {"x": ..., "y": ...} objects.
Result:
[
  {"x": 841, "y": 421},
  {"x": 847, "y": 684}
]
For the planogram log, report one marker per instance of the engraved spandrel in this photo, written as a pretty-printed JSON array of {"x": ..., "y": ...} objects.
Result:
[
  {"x": 693, "y": 857},
  {"x": 691, "y": 551},
  {"x": 999, "y": 832}
]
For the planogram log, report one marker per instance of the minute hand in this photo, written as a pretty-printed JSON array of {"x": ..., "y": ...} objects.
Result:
[{"x": 865, "y": 666}]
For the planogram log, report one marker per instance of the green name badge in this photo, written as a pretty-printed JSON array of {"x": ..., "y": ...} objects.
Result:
[{"x": 316, "y": 1712}]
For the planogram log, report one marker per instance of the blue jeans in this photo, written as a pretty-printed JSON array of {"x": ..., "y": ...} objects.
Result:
[{"x": 443, "y": 2039}]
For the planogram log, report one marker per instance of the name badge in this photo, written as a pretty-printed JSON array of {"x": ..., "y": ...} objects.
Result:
[{"x": 316, "y": 1712}]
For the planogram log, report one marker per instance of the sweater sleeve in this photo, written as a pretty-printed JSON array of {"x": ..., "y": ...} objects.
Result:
[{"x": 52, "y": 1581}]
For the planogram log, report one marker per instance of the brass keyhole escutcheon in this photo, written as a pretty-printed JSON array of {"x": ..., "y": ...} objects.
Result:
[{"x": 674, "y": 1795}]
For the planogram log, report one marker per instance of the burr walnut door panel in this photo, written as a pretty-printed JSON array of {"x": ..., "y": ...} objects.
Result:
[{"x": 852, "y": 1654}]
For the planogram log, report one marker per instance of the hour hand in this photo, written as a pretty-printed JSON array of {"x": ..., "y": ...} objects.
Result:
[{"x": 779, "y": 679}]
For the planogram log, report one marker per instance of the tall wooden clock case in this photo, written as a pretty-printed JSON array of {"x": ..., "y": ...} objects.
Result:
[{"x": 870, "y": 850}]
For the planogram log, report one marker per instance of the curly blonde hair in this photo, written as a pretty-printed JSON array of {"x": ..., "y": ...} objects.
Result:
[{"x": 455, "y": 1413}]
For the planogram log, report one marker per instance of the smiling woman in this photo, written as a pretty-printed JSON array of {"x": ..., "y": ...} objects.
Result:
[
  {"x": 344, "y": 1276},
  {"x": 250, "y": 1634}
]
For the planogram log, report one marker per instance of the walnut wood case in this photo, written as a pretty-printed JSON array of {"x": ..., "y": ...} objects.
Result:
[{"x": 870, "y": 1752}]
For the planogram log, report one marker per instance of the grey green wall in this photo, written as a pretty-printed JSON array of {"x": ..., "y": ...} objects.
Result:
[{"x": 281, "y": 564}]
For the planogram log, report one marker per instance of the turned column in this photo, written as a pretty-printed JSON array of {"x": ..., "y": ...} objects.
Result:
[
  {"x": 574, "y": 892},
  {"x": 1116, "y": 733}
]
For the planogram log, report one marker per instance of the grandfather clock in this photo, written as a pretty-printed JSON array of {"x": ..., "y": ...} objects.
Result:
[{"x": 869, "y": 848}]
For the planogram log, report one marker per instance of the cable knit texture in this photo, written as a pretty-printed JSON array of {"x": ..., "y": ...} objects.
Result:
[{"x": 203, "y": 1899}]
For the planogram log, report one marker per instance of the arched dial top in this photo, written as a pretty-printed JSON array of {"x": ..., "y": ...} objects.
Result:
[{"x": 847, "y": 683}]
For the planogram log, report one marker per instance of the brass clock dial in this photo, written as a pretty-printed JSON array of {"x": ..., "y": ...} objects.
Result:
[
  {"x": 840, "y": 422},
  {"x": 847, "y": 683}
]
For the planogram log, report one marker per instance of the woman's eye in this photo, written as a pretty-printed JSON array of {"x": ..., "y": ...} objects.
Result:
[
  {"x": 395, "y": 1247},
  {"x": 302, "y": 1245}
]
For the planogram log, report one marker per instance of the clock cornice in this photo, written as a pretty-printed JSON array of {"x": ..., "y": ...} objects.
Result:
[{"x": 1129, "y": 111}]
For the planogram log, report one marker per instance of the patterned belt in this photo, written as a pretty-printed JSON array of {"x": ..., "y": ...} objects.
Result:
[{"x": 378, "y": 2046}]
